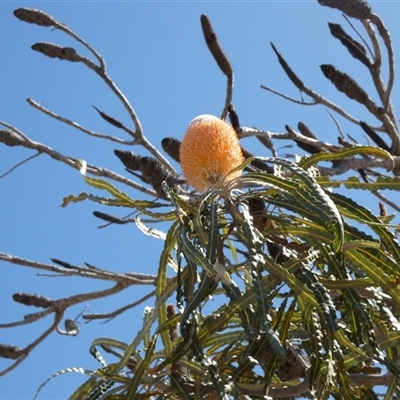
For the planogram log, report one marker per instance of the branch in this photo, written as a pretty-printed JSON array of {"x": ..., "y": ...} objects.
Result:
[
  {"x": 25, "y": 352},
  {"x": 384, "y": 33},
  {"x": 18, "y": 165},
  {"x": 30, "y": 15},
  {"x": 96, "y": 273},
  {"x": 52, "y": 114},
  {"x": 110, "y": 316},
  {"x": 74, "y": 162}
]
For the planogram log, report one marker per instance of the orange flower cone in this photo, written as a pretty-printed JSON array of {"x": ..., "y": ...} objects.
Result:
[{"x": 209, "y": 150}]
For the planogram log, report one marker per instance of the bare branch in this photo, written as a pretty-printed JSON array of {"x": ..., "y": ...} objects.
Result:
[
  {"x": 84, "y": 272},
  {"x": 67, "y": 121},
  {"x": 110, "y": 316},
  {"x": 19, "y": 164},
  {"x": 25, "y": 352},
  {"x": 74, "y": 162}
]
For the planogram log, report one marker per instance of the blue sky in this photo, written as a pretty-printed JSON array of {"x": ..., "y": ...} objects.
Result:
[{"x": 156, "y": 54}]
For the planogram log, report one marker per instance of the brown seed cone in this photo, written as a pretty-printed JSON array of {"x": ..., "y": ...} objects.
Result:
[
  {"x": 233, "y": 117},
  {"x": 289, "y": 72},
  {"x": 36, "y": 300},
  {"x": 347, "y": 85},
  {"x": 10, "y": 351},
  {"x": 152, "y": 170},
  {"x": 172, "y": 147},
  {"x": 359, "y": 9},
  {"x": 356, "y": 49},
  {"x": 110, "y": 218},
  {"x": 109, "y": 119},
  {"x": 129, "y": 159},
  {"x": 374, "y": 136},
  {"x": 306, "y": 131},
  {"x": 54, "y": 50},
  {"x": 214, "y": 46},
  {"x": 154, "y": 173},
  {"x": 34, "y": 16}
]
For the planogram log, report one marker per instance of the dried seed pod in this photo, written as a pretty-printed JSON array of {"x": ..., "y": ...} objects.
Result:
[
  {"x": 109, "y": 119},
  {"x": 154, "y": 173},
  {"x": 153, "y": 170},
  {"x": 347, "y": 85},
  {"x": 306, "y": 131},
  {"x": 10, "y": 351},
  {"x": 54, "y": 50},
  {"x": 289, "y": 72},
  {"x": 233, "y": 117},
  {"x": 374, "y": 136},
  {"x": 172, "y": 147},
  {"x": 34, "y": 16},
  {"x": 257, "y": 210},
  {"x": 10, "y": 138},
  {"x": 71, "y": 326},
  {"x": 267, "y": 142},
  {"x": 291, "y": 367},
  {"x": 210, "y": 149},
  {"x": 36, "y": 300},
  {"x": 110, "y": 218},
  {"x": 214, "y": 46},
  {"x": 359, "y": 9},
  {"x": 129, "y": 159},
  {"x": 356, "y": 49},
  {"x": 344, "y": 83}
]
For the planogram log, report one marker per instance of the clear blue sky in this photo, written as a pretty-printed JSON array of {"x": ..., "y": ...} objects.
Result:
[{"x": 156, "y": 54}]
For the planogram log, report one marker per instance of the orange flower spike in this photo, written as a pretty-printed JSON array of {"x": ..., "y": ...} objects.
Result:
[{"x": 209, "y": 150}]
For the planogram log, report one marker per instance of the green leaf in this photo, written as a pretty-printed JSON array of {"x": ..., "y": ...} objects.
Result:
[
  {"x": 375, "y": 273},
  {"x": 353, "y": 210},
  {"x": 104, "y": 185},
  {"x": 83, "y": 196},
  {"x": 307, "y": 162},
  {"x": 195, "y": 255},
  {"x": 382, "y": 183},
  {"x": 140, "y": 370}
]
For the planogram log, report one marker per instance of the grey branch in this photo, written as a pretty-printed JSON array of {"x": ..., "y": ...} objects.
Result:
[
  {"x": 67, "y": 121},
  {"x": 74, "y": 162}
]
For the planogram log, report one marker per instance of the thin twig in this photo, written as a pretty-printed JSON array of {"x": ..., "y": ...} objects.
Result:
[
  {"x": 286, "y": 97},
  {"x": 336, "y": 123},
  {"x": 110, "y": 316},
  {"x": 384, "y": 199},
  {"x": 96, "y": 273},
  {"x": 358, "y": 34},
  {"x": 19, "y": 164},
  {"x": 318, "y": 99},
  {"x": 67, "y": 121}
]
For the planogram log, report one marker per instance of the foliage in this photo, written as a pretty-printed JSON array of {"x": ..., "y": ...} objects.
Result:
[{"x": 304, "y": 280}]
